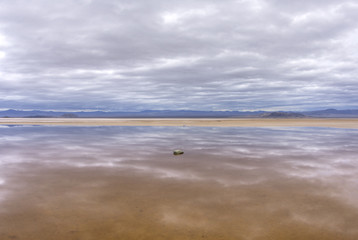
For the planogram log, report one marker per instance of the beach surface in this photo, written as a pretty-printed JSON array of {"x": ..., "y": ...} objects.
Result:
[{"x": 198, "y": 122}]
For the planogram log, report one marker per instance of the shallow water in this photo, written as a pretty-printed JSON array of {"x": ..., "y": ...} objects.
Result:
[{"x": 84, "y": 183}]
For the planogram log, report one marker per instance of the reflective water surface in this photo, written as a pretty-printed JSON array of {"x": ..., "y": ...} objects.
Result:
[{"x": 84, "y": 183}]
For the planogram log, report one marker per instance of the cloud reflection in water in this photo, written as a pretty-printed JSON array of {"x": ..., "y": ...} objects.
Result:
[
  {"x": 305, "y": 175},
  {"x": 295, "y": 152}
]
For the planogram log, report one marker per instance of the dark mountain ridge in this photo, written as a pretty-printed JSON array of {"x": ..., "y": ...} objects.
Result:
[{"x": 283, "y": 115}]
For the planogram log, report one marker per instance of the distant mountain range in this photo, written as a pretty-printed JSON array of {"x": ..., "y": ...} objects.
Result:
[
  {"x": 181, "y": 114},
  {"x": 283, "y": 115},
  {"x": 333, "y": 113}
]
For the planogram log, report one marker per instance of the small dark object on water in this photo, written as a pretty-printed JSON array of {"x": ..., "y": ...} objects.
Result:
[{"x": 178, "y": 152}]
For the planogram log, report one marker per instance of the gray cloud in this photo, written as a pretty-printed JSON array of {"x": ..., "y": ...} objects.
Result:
[{"x": 209, "y": 55}]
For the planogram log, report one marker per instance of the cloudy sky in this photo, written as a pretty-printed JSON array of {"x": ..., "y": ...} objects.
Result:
[{"x": 120, "y": 55}]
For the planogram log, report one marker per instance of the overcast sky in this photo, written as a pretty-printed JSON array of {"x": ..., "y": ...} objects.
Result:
[{"x": 134, "y": 55}]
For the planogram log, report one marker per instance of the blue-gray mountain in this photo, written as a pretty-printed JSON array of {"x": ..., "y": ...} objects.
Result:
[{"x": 181, "y": 114}]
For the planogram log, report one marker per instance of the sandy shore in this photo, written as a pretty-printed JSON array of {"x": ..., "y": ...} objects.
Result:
[{"x": 204, "y": 122}]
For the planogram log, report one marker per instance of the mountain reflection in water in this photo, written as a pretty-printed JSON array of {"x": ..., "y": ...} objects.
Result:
[{"x": 231, "y": 183}]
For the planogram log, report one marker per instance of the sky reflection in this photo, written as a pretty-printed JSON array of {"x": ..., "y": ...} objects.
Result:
[
  {"x": 295, "y": 152},
  {"x": 298, "y": 175}
]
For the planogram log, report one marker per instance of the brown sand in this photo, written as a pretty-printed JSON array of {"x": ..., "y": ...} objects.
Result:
[
  {"x": 91, "y": 204},
  {"x": 204, "y": 122}
]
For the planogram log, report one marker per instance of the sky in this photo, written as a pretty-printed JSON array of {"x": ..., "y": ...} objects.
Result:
[{"x": 121, "y": 55}]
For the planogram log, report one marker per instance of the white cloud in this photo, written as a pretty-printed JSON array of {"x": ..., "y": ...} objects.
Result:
[
  {"x": 174, "y": 17},
  {"x": 178, "y": 54},
  {"x": 170, "y": 18},
  {"x": 3, "y": 41}
]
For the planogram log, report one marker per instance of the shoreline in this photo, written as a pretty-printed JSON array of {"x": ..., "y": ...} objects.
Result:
[{"x": 197, "y": 122}]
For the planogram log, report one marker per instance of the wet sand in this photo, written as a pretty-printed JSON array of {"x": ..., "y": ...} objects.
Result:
[
  {"x": 90, "y": 183},
  {"x": 91, "y": 204},
  {"x": 204, "y": 122}
]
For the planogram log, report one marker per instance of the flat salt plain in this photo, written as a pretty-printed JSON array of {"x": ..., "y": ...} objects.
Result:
[{"x": 84, "y": 179}]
